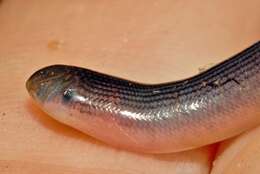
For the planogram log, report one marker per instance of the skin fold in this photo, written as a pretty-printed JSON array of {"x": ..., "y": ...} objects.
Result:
[
  {"x": 146, "y": 41},
  {"x": 154, "y": 118}
]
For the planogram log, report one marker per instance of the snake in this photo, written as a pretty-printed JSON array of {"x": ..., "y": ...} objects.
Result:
[{"x": 216, "y": 104}]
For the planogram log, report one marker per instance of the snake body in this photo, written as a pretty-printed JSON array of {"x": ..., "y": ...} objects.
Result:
[{"x": 219, "y": 103}]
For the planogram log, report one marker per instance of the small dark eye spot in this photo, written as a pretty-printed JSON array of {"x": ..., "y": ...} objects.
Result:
[{"x": 67, "y": 95}]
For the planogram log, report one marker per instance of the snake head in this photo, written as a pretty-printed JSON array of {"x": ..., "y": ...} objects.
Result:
[{"x": 49, "y": 82}]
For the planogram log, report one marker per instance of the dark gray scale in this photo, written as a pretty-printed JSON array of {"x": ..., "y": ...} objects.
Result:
[{"x": 131, "y": 93}]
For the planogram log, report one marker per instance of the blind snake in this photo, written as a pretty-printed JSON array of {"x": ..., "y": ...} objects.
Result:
[{"x": 216, "y": 104}]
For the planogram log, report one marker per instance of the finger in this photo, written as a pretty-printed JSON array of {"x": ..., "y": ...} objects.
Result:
[
  {"x": 61, "y": 33},
  {"x": 239, "y": 155}
]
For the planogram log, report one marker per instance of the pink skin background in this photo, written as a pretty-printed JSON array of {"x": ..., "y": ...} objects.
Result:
[{"x": 148, "y": 41}]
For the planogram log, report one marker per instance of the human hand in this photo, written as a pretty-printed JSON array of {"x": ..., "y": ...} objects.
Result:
[{"x": 121, "y": 39}]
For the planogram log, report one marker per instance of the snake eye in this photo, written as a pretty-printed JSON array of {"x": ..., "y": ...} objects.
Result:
[{"x": 67, "y": 95}]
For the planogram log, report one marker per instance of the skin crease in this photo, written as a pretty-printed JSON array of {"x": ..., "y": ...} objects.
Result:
[{"x": 170, "y": 34}]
